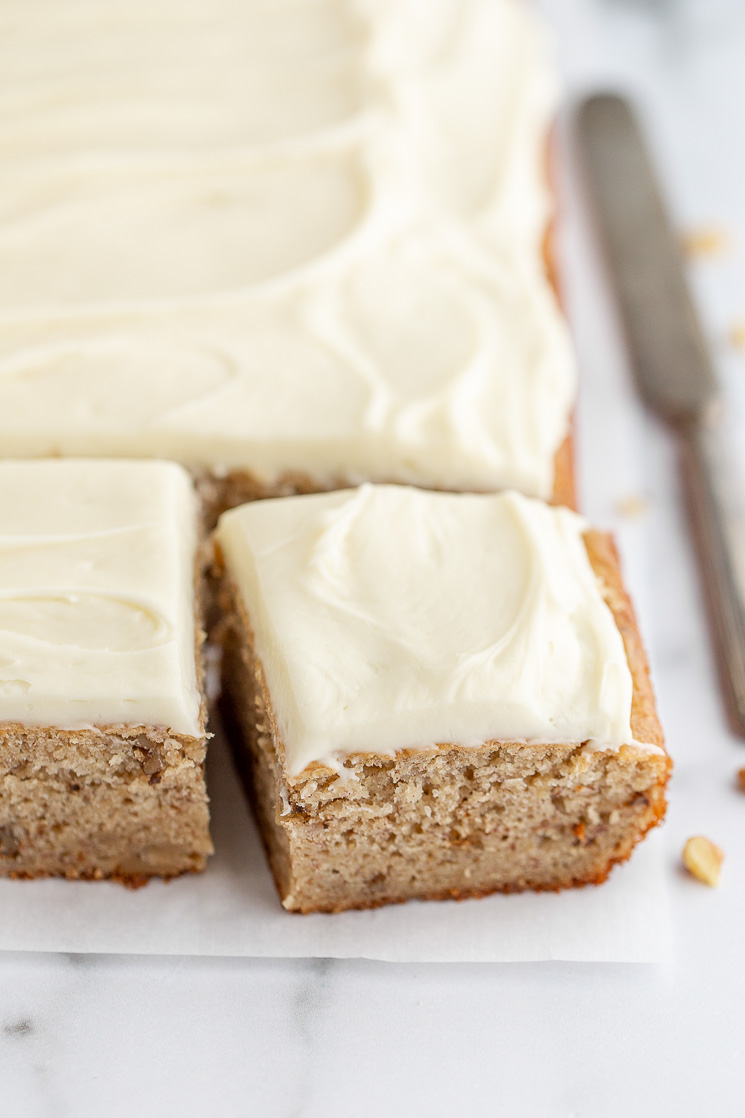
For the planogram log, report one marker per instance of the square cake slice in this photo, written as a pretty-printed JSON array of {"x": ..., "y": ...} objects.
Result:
[
  {"x": 435, "y": 695},
  {"x": 102, "y": 718}
]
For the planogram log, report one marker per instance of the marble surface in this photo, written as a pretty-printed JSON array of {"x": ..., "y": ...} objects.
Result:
[{"x": 89, "y": 1036}]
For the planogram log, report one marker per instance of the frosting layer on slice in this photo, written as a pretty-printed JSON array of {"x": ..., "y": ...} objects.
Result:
[
  {"x": 389, "y": 618},
  {"x": 97, "y": 568}
]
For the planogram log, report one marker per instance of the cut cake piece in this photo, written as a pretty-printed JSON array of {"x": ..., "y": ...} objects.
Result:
[
  {"x": 102, "y": 717},
  {"x": 434, "y": 695}
]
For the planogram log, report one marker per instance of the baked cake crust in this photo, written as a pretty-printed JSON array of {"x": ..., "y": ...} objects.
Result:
[{"x": 451, "y": 822}]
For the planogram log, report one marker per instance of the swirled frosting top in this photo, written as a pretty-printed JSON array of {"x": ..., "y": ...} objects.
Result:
[
  {"x": 389, "y": 618},
  {"x": 97, "y": 564},
  {"x": 298, "y": 236}
]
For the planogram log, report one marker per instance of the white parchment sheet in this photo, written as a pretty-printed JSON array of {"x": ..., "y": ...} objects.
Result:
[{"x": 233, "y": 909}]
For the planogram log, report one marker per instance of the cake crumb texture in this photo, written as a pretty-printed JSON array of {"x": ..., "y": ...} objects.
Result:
[{"x": 122, "y": 802}]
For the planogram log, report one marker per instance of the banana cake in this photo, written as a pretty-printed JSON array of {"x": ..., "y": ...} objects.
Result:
[
  {"x": 293, "y": 247},
  {"x": 102, "y": 718},
  {"x": 434, "y": 695}
]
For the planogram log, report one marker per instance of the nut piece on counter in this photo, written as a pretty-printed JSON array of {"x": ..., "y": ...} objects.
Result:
[
  {"x": 707, "y": 240},
  {"x": 737, "y": 335},
  {"x": 703, "y": 859},
  {"x": 633, "y": 506}
]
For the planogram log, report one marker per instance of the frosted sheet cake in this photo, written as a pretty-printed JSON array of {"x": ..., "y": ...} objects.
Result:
[
  {"x": 292, "y": 245},
  {"x": 434, "y": 695},
  {"x": 102, "y": 720}
]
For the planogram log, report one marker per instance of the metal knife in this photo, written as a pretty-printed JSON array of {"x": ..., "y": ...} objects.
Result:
[{"x": 672, "y": 364}]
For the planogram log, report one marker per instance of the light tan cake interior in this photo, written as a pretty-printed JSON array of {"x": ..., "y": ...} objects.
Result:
[
  {"x": 126, "y": 802},
  {"x": 452, "y": 821}
]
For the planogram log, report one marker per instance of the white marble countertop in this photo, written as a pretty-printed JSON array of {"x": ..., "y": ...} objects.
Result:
[{"x": 108, "y": 1036}]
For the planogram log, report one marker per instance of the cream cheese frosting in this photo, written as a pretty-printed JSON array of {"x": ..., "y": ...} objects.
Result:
[
  {"x": 97, "y": 567},
  {"x": 389, "y": 618},
  {"x": 287, "y": 237}
]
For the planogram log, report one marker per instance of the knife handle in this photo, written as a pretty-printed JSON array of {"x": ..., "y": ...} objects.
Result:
[{"x": 717, "y": 507}]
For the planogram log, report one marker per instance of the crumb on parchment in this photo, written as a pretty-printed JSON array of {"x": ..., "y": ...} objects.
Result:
[
  {"x": 633, "y": 505},
  {"x": 737, "y": 334},
  {"x": 705, "y": 240}
]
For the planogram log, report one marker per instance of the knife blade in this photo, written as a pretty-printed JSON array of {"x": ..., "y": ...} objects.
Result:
[{"x": 672, "y": 364}]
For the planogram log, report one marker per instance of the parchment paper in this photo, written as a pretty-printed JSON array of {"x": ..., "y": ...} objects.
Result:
[{"x": 233, "y": 909}]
